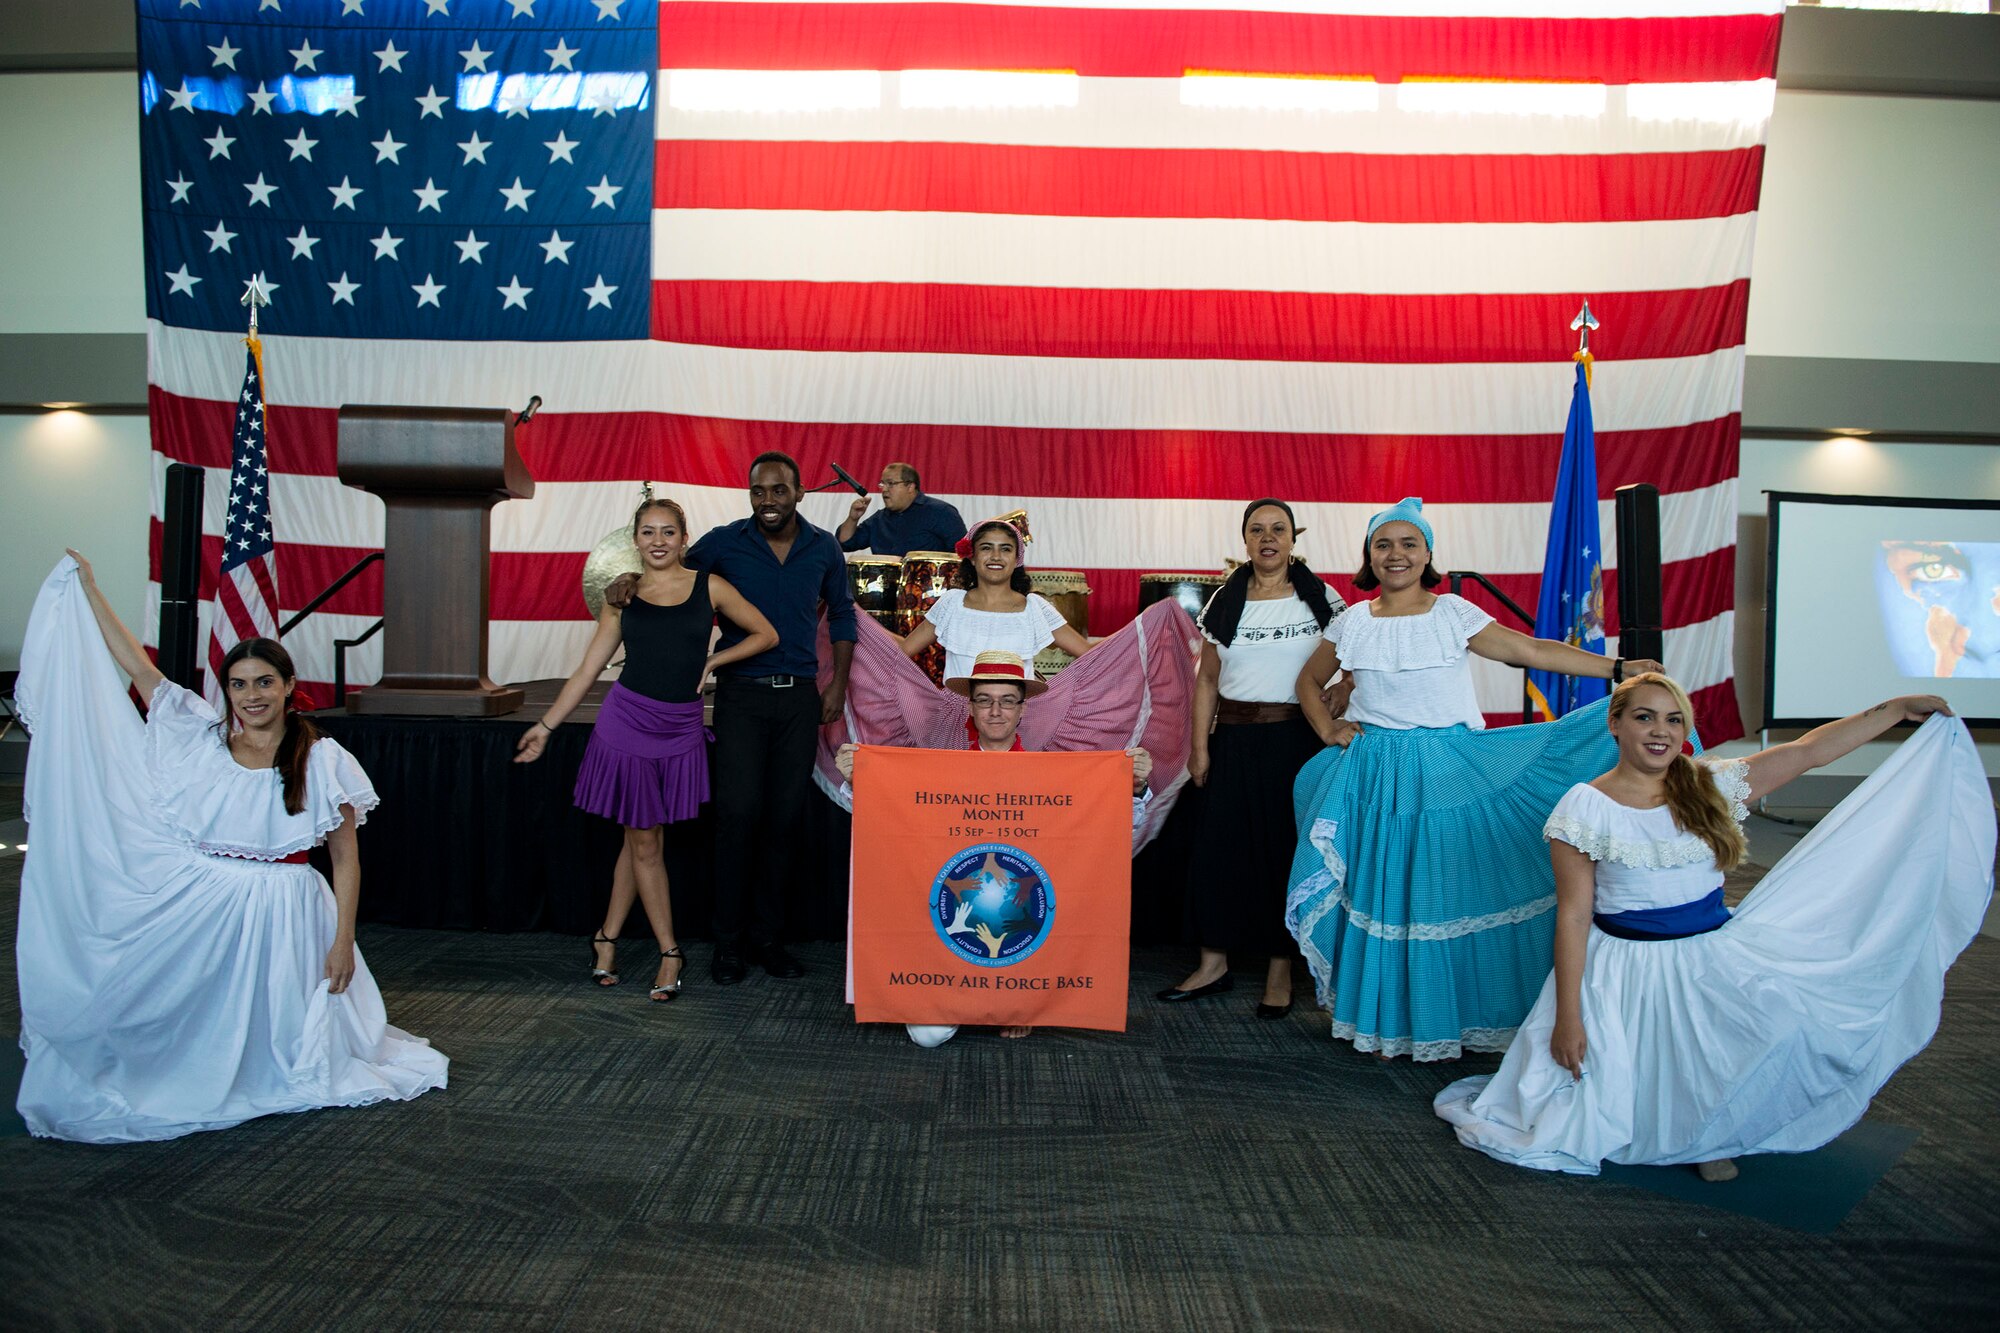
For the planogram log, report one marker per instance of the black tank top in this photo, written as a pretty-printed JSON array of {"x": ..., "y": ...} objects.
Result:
[{"x": 665, "y": 646}]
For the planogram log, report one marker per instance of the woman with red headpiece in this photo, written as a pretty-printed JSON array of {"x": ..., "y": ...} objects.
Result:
[{"x": 994, "y": 607}]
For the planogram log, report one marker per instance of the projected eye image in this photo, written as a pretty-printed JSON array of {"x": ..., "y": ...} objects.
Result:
[{"x": 1941, "y": 607}]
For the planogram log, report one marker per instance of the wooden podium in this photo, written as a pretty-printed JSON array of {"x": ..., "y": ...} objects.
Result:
[{"x": 439, "y": 471}]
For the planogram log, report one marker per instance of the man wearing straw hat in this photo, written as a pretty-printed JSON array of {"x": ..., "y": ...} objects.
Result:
[{"x": 997, "y": 691}]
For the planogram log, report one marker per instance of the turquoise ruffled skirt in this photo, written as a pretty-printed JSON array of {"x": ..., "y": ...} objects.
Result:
[{"x": 1421, "y": 893}]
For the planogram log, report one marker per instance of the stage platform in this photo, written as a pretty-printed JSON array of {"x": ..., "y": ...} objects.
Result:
[{"x": 466, "y": 839}]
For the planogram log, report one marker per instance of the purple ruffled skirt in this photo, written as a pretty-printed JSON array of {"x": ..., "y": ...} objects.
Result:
[{"x": 647, "y": 761}]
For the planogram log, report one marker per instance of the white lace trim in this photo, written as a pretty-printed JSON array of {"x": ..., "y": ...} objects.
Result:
[
  {"x": 362, "y": 805},
  {"x": 1331, "y": 883},
  {"x": 1732, "y": 779},
  {"x": 1470, "y": 1039},
  {"x": 1649, "y": 854}
]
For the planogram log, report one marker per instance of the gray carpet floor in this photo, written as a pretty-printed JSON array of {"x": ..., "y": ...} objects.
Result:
[{"x": 752, "y": 1159}]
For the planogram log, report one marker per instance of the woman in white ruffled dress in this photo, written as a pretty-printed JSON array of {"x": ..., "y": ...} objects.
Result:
[
  {"x": 181, "y": 967},
  {"x": 1672, "y": 1031}
]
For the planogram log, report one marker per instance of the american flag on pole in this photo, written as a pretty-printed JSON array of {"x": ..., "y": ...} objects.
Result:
[
  {"x": 1124, "y": 263},
  {"x": 246, "y": 587}
]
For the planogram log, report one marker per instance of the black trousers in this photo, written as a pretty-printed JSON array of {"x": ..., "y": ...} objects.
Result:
[{"x": 758, "y": 782}]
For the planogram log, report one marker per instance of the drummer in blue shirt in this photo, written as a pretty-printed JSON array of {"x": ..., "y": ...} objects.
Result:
[{"x": 909, "y": 521}]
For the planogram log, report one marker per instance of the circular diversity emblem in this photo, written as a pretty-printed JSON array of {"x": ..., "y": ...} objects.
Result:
[{"x": 992, "y": 904}]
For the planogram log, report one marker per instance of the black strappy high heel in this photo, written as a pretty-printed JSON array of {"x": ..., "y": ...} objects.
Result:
[
  {"x": 601, "y": 976},
  {"x": 662, "y": 994}
]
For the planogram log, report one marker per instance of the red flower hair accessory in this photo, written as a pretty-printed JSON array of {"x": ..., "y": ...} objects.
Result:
[
  {"x": 963, "y": 546},
  {"x": 302, "y": 702}
]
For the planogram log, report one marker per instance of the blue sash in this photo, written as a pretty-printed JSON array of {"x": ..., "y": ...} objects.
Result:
[{"x": 1666, "y": 923}]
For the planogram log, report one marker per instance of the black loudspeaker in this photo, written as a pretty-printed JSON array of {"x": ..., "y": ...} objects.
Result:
[
  {"x": 1639, "y": 634},
  {"x": 180, "y": 576}
]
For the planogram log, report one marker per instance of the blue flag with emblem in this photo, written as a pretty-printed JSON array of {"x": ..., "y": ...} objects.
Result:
[{"x": 1572, "y": 603}]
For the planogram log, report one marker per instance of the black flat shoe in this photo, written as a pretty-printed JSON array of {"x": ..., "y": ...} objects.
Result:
[
  {"x": 778, "y": 963},
  {"x": 1222, "y": 985},
  {"x": 725, "y": 966},
  {"x": 1273, "y": 1011}
]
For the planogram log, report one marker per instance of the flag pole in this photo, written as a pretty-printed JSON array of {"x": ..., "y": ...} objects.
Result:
[{"x": 1570, "y": 605}]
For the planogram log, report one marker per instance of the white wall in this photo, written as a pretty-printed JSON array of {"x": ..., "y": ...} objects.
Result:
[
  {"x": 71, "y": 479},
  {"x": 69, "y": 204},
  {"x": 1876, "y": 231},
  {"x": 1843, "y": 466}
]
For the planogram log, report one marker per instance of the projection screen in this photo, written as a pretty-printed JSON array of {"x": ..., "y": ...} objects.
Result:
[{"x": 1871, "y": 597}]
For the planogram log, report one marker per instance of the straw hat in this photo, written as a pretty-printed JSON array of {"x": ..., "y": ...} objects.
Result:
[{"x": 997, "y": 668}]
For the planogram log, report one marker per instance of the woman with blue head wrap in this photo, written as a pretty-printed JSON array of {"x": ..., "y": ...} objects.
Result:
[{"x": 1420, "y": 893}]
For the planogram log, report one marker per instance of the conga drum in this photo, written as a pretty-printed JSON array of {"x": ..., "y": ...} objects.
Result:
[
  {"x": 1067, "y": 591},
  {"x": 924, "y": 577},
  {"x": 875, "y": 581},
  {"x": 1192, "y": 591},
  {"x": 1049, "y": 662}
]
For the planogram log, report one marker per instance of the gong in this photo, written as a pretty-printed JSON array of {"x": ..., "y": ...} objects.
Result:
[{"x": 615, "y": 555}]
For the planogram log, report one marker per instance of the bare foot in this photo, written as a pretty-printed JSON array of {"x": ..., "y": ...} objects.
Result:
[
  {"x": 1016, "y": 1032},
  {"x": 1721, "y": 1169}
]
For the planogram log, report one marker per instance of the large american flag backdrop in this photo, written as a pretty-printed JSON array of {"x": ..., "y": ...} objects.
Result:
[{"x": 1126, "y": 264}]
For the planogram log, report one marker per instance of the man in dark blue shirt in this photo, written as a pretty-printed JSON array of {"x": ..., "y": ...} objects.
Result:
[
  {"x": 767, "y": 709},
  {"x": 909, "y": 521}
]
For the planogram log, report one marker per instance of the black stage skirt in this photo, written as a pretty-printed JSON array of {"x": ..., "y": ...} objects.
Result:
[{"x": 1243, "y": 845}]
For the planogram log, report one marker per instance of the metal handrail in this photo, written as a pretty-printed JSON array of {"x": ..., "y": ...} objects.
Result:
[
  {"x": 1455, "y": 578},
  {"x": 340, "y": 647},
  {"x": 327, "y": 592}
]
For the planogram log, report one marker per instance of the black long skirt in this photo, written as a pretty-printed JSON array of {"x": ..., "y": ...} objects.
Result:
[{"x": 1243, "y": 848}]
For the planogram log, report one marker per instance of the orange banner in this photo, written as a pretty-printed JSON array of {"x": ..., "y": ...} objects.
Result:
[{"x": 991, "y": 888}]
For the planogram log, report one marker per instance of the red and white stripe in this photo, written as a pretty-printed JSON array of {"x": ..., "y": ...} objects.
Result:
[{"x": 1127, "y": 315}]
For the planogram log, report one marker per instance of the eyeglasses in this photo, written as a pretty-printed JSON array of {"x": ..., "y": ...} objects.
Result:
[
  {"x": 890, "y": 484},
  {"x": 999, "y": 705}
]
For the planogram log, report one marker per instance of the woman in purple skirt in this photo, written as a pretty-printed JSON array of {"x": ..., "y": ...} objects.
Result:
[{"x": 647, "y": 762}]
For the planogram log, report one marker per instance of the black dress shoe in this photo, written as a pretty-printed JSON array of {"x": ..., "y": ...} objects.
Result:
[
  {"x": 1273, "y": 1011},
  {"x": 725, "y": 965},
  {"x": 779, "y": 963},
  {"x": 1222, "y": 985}
]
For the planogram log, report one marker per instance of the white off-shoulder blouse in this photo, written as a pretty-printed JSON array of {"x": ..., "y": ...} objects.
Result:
[
  {"x": 1644, "y": 859},
  {"x": 216, "y": 805}
]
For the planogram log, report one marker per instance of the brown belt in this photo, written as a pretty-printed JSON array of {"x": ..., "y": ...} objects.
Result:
[{"x": 1232, "y": 711}]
